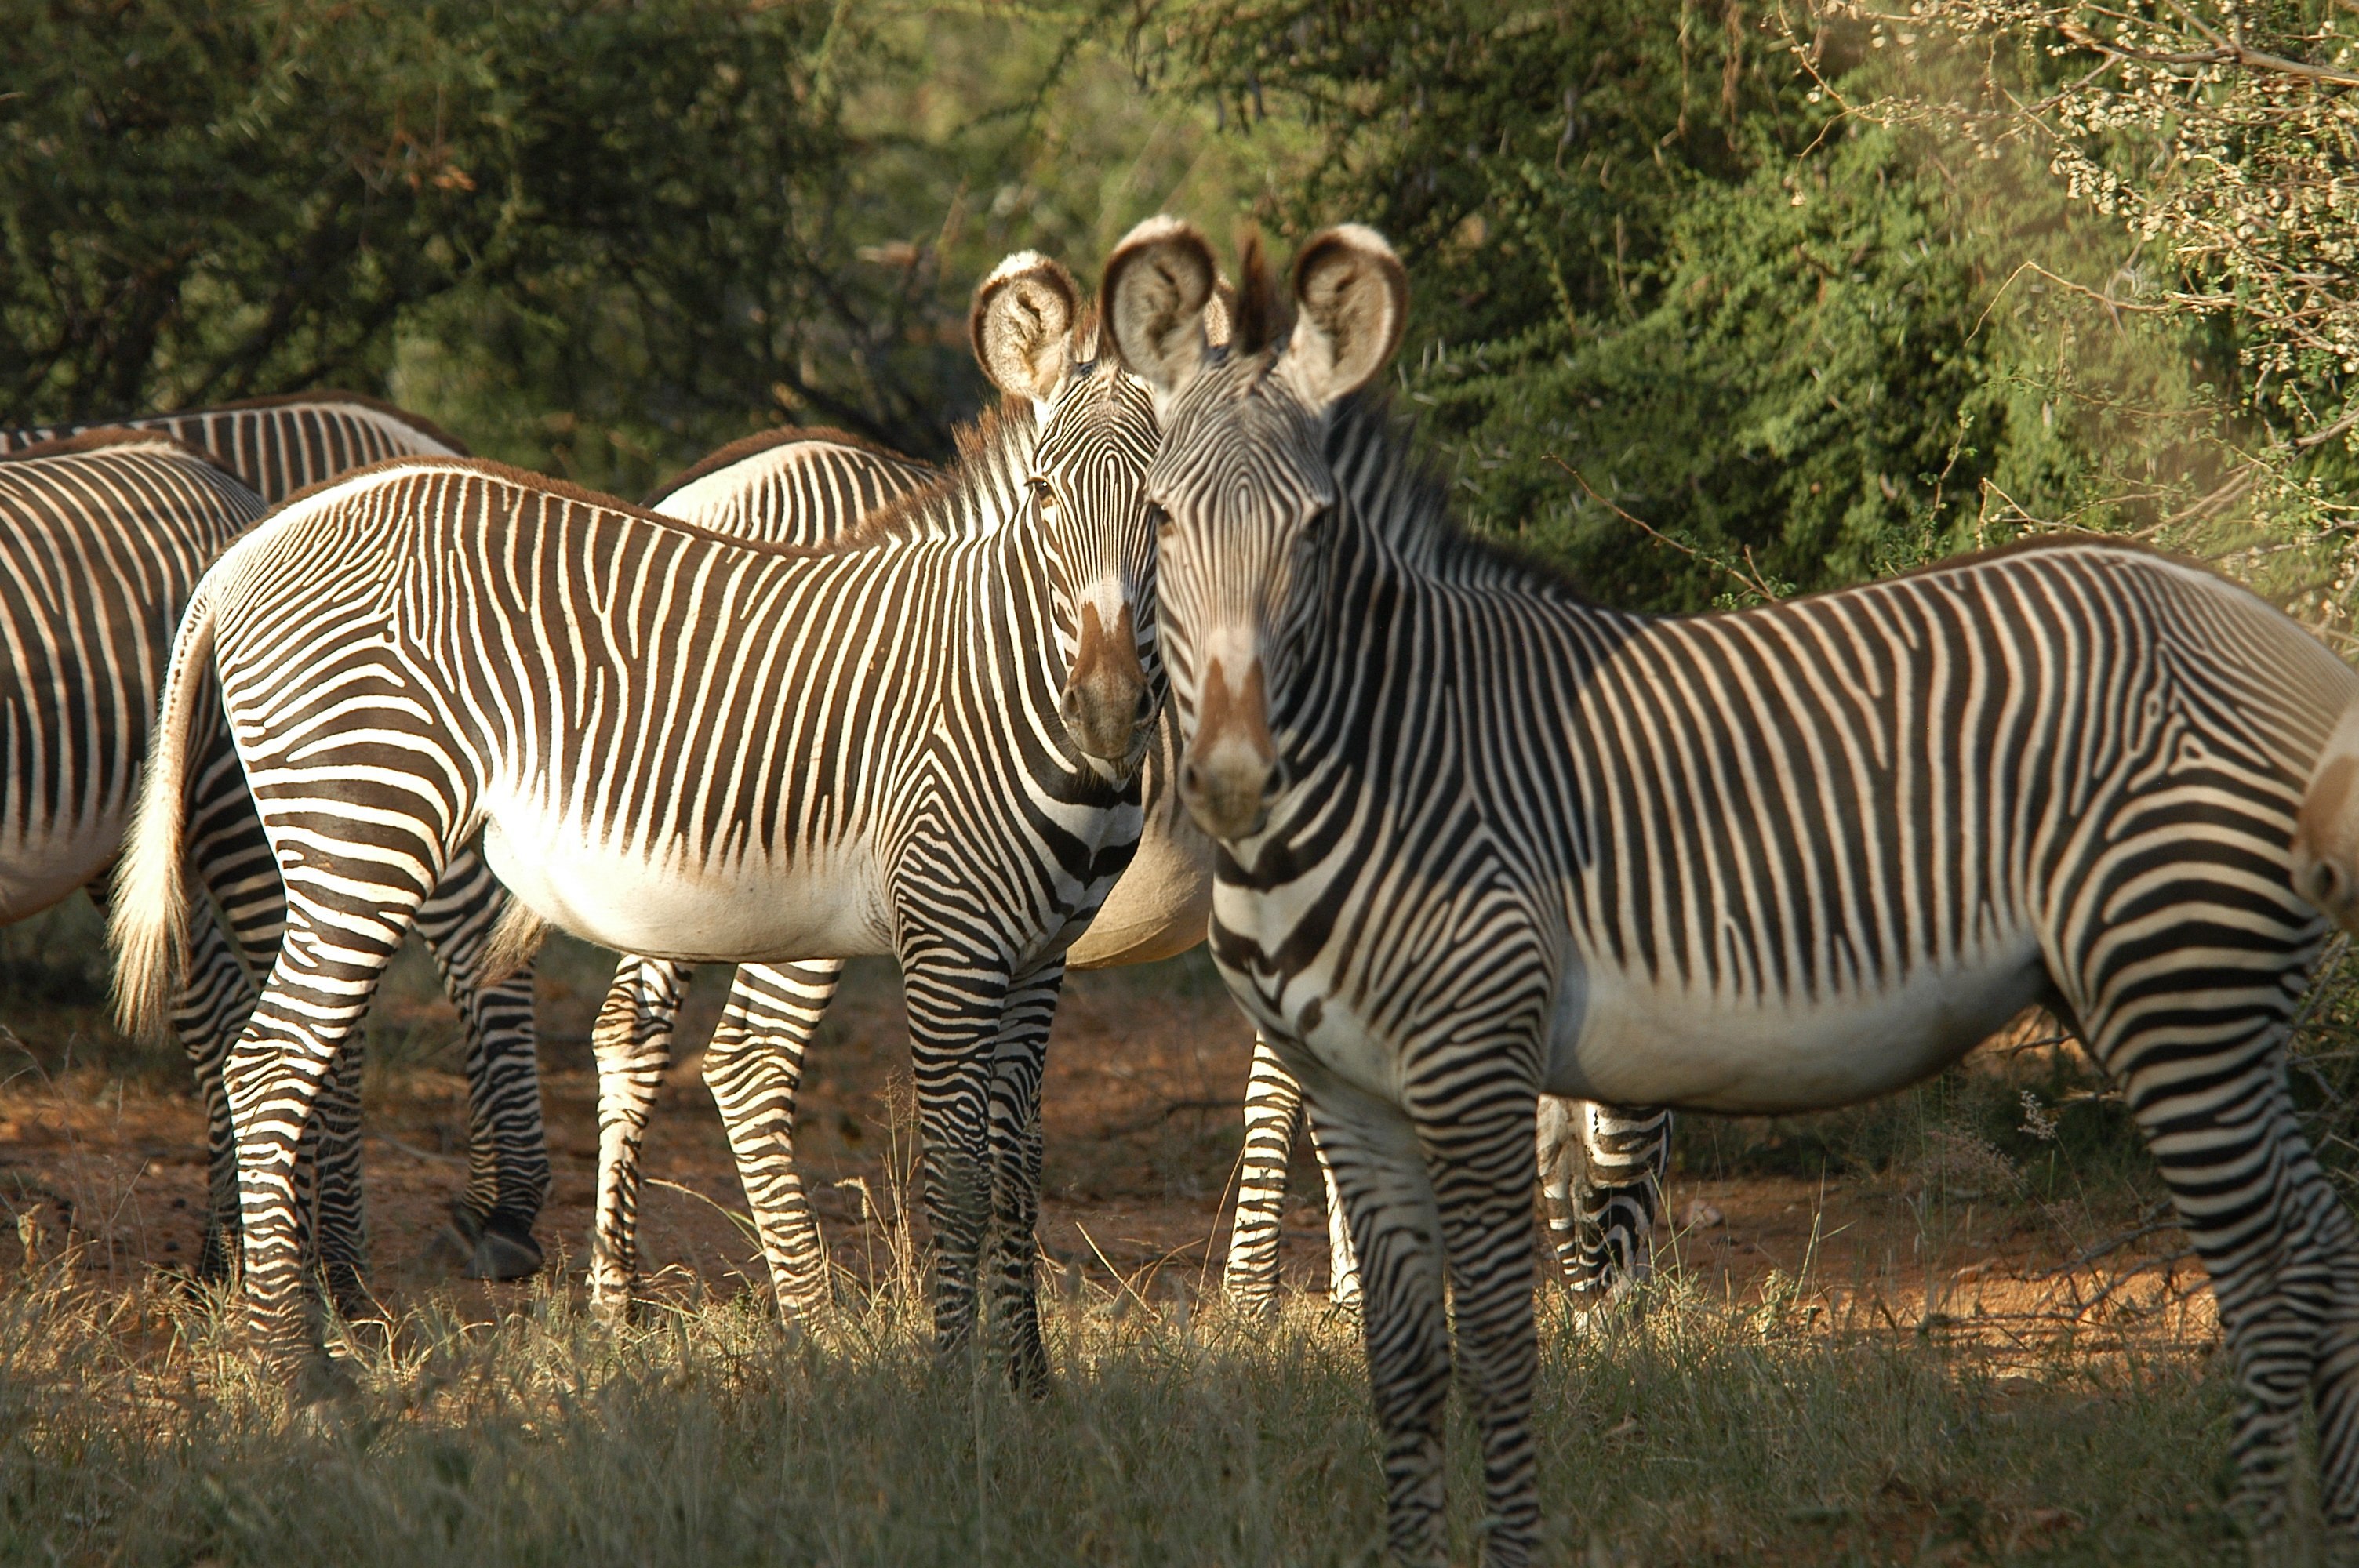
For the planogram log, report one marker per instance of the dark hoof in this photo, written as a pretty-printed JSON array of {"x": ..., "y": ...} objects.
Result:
[
  {"x": 505, "y": 1251},
  {"x": 465, "y": 1223}
]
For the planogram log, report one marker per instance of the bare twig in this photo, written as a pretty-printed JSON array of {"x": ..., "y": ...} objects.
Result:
[{"x": 1754, "y": 583}]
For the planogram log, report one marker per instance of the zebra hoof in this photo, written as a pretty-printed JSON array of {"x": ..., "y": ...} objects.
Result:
[
  {"x": 505, "y": 1250},
  {"x": 322, "y": 1379}
]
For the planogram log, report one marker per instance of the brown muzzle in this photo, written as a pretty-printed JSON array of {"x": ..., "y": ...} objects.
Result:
[
  {"x": 1229, "y": 774},
  {"x": 1108, "y": 708}
]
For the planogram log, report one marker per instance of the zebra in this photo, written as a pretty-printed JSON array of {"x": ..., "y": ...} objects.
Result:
[
  {"x": 808, "y": 488},
  {"x": 1601, "y": 1172},
  {"x": 276, "y": 447},
  {"x": 1481, "y": 838},
  {"x": 805, "y": 487},
  {"x": 680, "y": 745}
]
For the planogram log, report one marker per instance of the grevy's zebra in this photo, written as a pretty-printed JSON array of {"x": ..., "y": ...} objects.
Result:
[
  {"x": 1600, "y": 1169},
  {"x": 276, "y": 446},
  {"x": 1484, "y": 841},
  {"x": 809, "y": 488},
  {"x": 680, "y": 745}
]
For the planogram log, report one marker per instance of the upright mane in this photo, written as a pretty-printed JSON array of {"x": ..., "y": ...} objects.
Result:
[
  {"x": 994, "y": 463},
  {"x": 104, "y": 437},
  {"x": 1399, "y": 497},
  {"x": 744, "y": 447}
]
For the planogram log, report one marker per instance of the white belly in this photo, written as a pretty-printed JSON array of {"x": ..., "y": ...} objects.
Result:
[
  {"x": 1627, "y": 1044},
  {"x": 38, "y": 874},
  {"x": 756, "y": 910}
]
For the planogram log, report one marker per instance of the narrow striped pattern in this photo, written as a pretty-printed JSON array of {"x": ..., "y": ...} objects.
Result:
[
  {"x": 1516, "y": 844},
  {"x": 281, "y": 445},
  {"x": 681, "y": 746}
]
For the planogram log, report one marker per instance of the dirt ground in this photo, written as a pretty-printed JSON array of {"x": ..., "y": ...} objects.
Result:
[{"x": 1147, "y": 1071}]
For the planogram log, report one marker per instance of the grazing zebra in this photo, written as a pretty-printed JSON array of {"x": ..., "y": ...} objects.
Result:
[
  {"x": 276, "y": 446},
  {"x": 682, "y": 746},
  {"x": 1484, "y": 841},
  {"x": 1601, "y": 1191}
]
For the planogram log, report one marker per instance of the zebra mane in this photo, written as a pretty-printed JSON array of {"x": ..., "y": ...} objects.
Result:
[
  {"x": 994, "y": 463},
  {"x": 744, "y": 447},
  {"x": 106, "y": 437},
  {"x": 1399, "y": 495},
  {"x": 329, "y": 398}
]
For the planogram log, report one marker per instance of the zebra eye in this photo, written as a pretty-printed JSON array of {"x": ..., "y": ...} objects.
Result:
[
  {"x": 1044, "y": 495},
  {"x": 1160, "y": 518}
]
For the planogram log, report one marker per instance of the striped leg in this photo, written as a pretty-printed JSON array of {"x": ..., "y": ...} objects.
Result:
[
  {"x": 2199, "y": 1052},
  {"x": 1273, "y": 1108},
  {"x": 347, "y": 913},
  {"x": 1381, "y": 1174},
  {"x": 755, "y": 1068},
  {"x": 1273, "y": 1111},
  {"x": 955, "y": 1004},
  {"x": 1020, "y": 1059},
  {"x": 1608, "y": 1217},
  {"x": 1343, "y": 1259},
  {"x": 507, "y": 1146},
  {"x": 1481, "y": 1152},
  {"x": 632, "y": 1043}
]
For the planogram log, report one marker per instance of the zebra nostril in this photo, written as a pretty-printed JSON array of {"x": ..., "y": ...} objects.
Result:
[
  {"x": 1191, "y": 779},
  {"x": 1145, "y": 707},
  {"x": 1273, "y": 783}
]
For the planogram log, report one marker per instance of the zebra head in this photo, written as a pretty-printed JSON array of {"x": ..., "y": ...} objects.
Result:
[
  {"x": 1241, "y": 486},
  {"x": 1097, "y": 433}
]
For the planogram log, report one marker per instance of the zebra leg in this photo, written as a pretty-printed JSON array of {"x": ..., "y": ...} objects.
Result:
[
  {"x": 955, "y": 1005},
  {"x": 317, "y": 991},
  {"x": 1388, "y": 1195},
  {"x": 1481, "y": 1154},
  {"x": 632, "y": 1043},
  {"x": 341, "y": 1216},
  {"x": 507, "y": 1146},
  {"x": 1272, "y": 1108},
  {"x": 2212, "y": 1100},
  {"x": 1557, "y": 1145},
  {"x": 1019, "y": 1059},
  {"x": 755, "y": 1068},
  {"x": 1343, "y": 1260},
  {"x": 1613, "y": 1237}
]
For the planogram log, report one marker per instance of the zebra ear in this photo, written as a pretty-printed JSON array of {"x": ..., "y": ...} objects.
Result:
[
  {"x": 1350, "y": 295},
  {"x": 1158, "y": 286},
  {"x": 1220, "y": 314},
  {"x": 1022, "y": 326}
]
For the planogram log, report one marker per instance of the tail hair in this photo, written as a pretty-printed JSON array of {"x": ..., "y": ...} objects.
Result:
[
  {"x": 515, "y": 941},
  {"x": 148, "y": 926},
  {"x": 2326, "y": 830}
]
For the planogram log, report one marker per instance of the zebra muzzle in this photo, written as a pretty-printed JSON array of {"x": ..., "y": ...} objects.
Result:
[
  {"x": 1229, "y": 774},
  {"x": 1108, "y": 707}
]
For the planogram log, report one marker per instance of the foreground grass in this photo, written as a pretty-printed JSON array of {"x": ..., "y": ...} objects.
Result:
[{"x": 130, "y": 1433}]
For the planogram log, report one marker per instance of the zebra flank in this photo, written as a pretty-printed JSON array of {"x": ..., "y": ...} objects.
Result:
[
  {"x": 1483, "y": 841},
  {"x": 137, "y": 573},
  {"x": 279, "y": 446}
]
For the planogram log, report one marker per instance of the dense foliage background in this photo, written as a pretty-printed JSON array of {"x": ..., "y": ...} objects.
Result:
[{"x": 1715, "y": 298}]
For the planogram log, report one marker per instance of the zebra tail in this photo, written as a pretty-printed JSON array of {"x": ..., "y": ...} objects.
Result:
[
  {"x": 2326, "y": 830},
  {"x": 515, "y": 941},
  {"x": 149, "y": 927}
]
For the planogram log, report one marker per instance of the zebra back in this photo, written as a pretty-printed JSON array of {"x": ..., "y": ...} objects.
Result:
[
  {"x": 791, "y": 486},
  {"x": 278, "y": 445}
]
